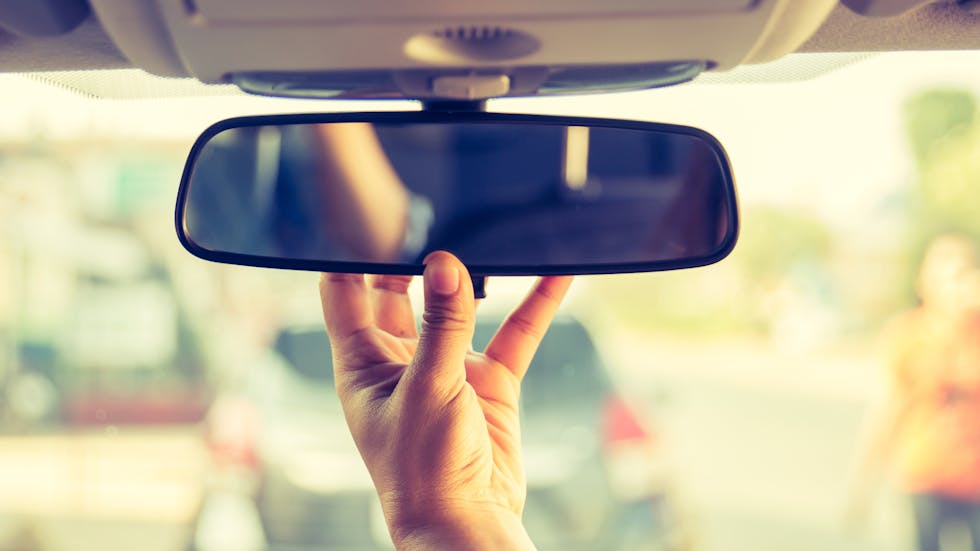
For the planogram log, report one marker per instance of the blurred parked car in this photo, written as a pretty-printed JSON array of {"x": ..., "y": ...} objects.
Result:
[
  {"x": 596, "y": 477},
  {"x": 99, "y": 419}
]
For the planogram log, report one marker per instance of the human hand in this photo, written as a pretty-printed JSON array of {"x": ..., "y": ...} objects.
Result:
[{"x": 435, "y": 422}]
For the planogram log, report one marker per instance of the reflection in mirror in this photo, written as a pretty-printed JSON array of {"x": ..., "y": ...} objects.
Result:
[{"x": 496, "y": 194}]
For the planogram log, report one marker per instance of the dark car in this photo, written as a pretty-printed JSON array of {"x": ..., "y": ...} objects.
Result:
[{"x": 284, "y": 425}]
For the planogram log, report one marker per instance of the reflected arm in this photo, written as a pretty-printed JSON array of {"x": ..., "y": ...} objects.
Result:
[{"x": 363, "y": 198}]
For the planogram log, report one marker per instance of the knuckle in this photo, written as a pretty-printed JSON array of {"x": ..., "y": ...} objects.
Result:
[
  {"x": 337, "y": 282},
  {"x": 444, "y": 317},
  {"x": 394, "y": 284},
  {"x": 525, "y": 326},
  {"x": 546, "y": 293},
  {"x": 341, "y": 277}
]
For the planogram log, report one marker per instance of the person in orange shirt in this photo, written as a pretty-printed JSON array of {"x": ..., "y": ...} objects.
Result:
[{"x": 928, "y": 423}]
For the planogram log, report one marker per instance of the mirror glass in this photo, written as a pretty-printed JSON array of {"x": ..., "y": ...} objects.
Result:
[{"x": 506, "y": 196}]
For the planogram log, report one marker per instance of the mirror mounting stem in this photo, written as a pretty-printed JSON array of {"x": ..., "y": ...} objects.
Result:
[
  {"x": 454, "y": 106},
  {"x": 479, "y": 286}
]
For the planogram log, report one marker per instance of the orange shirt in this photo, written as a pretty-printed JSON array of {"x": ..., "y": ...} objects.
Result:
[{"x": 935, "y": 368}]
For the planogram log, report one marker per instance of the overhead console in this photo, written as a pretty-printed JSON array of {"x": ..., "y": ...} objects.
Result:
[{"x": 462, "y": 49}]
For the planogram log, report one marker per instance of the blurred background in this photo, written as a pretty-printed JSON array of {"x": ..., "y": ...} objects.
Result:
[{"x": 149, "y": 399}]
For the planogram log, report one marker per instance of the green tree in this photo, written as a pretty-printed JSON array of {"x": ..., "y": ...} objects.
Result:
[
  {"x": 773, "y": 240},
  {"x": 944, "y": 135},
  {"x": 935, "y": 116}
]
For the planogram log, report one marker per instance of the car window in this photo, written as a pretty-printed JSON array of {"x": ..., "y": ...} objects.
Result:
[{"x": 142, "y": 402}]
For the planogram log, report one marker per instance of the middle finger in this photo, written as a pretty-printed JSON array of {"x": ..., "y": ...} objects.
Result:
[{"x": 392, "y": 305}]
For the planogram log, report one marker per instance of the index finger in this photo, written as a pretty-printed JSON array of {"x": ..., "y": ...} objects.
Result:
[
  {"x": 346, "y": 306},
  {"x": 518, "y": 338}
]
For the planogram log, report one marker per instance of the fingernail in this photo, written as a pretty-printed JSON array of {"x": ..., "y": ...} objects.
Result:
[{"x": 442, "y": 279}]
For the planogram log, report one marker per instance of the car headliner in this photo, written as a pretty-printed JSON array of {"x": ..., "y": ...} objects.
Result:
[{"x": 64, "y": 60}]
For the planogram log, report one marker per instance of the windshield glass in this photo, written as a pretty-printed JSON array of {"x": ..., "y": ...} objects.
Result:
[{"x": 151, "y": 400}]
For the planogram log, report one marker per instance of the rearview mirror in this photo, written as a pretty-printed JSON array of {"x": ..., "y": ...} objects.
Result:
[{"x": 508, "y": 194}]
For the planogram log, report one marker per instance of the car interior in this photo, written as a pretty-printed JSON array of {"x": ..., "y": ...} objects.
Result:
[{"x": 761, "y": 200}]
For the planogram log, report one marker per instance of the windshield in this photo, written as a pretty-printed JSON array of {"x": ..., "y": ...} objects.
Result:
[{"x": 720, "y": 408}]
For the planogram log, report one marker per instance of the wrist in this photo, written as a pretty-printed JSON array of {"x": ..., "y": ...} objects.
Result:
[{"x": 465, "y": 532}]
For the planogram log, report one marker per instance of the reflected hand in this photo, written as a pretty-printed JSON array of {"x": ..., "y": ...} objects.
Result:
[{"x": 435, "y": 422}]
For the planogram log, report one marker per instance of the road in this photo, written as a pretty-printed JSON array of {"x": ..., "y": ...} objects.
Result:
[{"x": 130, "y": 488}]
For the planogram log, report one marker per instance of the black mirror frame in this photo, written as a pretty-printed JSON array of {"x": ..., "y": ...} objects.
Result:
[{"x": 731, "y": 202}]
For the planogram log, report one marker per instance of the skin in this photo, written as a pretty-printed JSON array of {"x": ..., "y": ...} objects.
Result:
[
  {"x": 363, "y": 198},
  {"x": 949, "y": 287},
  {"x": 437, "y": 423}
]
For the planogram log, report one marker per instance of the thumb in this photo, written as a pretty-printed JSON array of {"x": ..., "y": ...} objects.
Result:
[{"x": 447, "y": 325}]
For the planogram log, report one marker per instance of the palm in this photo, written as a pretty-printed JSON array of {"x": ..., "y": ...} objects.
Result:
[
  {"x": 488, "y": 403},
  {"x": 436, "y": 422}
]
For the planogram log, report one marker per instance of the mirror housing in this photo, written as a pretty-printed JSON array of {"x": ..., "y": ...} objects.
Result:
[{"x": 509, "y": 194}]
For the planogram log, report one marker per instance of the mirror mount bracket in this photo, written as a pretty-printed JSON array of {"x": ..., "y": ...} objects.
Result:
[
  {"x": 454, "y": 106},
  {"x": 479, "y": 286},
  {"x": 461, "y": 106}
]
